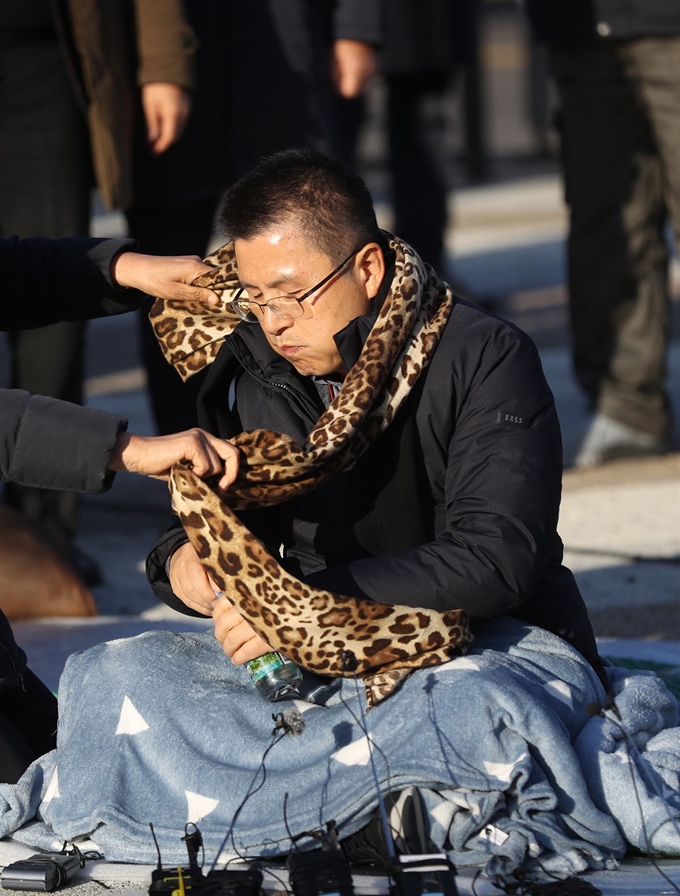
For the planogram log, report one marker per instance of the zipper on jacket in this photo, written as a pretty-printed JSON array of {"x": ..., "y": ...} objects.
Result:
[
  {"x": 14, "y": 667},
  {"x": 301, "y": 400}
]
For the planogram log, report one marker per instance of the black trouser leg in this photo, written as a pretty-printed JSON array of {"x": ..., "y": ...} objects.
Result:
[
  {"x": 348, "y": 119},
  {"x": 176, "y": 230},
  {"x": 417, "y": 130}
]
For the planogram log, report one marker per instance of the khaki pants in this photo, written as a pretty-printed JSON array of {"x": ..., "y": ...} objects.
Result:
[{"x": 620, "y": 130}]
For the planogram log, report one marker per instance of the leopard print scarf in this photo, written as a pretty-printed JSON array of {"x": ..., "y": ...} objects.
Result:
[{"x": 313, "y": 627}]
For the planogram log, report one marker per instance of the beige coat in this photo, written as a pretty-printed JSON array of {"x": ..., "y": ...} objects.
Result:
[{"x": 122, "y": 44}]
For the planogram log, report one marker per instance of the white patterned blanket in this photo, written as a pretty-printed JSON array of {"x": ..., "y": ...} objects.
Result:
[{"x": 516, "y": 771}]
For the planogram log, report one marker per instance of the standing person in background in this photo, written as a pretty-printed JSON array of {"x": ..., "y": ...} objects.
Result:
[
  {"x": 70, "y": 77},
  {"x": 273, "y": 89},
  {"x": 617, "y": 68},
  {"x": 426, "y": 44}
]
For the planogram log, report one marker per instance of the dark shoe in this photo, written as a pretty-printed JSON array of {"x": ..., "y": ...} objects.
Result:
[{"x": 368, "y": 847}]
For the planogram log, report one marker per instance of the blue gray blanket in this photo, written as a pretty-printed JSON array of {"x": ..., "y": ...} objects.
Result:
[{"x": 516, "y": 769}]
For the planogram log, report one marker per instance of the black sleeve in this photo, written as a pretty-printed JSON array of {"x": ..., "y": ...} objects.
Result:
[
  {"x": 168, "y": 543},
  {"x": 46, "y": 281},
  {"x": 49, "y": 443},
  {"x": 502, "y": 491},
  {"x": 359, "y": 20}
]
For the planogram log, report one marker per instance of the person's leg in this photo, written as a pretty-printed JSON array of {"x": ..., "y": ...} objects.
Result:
[
  {"x": 348, "y": 120},
  {"x": 44, "y": 191},
  {"x": 176, "y": 230},
  {"x": 28, "y": 726},
  {"x": 416, "y": 134},
  {"x": 45, "y": 170},
  {"x": 616, "y": 252},
  {"x": 656, "y": 66}
]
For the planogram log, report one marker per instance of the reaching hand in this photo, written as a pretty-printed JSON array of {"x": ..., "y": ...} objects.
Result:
[
  {"x": 354, "y": 65},
  {"x": 166, "y": 109},
  {"x": 155, "y": 455},
  {"x": 164, "y": 276},
  {"x": 238, "y": 638}
]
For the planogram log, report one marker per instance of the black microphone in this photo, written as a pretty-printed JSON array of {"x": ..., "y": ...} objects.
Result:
[{"x": 289, "y": 721}]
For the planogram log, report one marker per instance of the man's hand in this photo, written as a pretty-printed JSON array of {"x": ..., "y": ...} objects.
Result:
[
  {"x": 190, "y": 582},
  {"x": 164, "y": 276},
  {"x": 166, "y": 110},
  {"x": 155, "y": 455},
  {"x": 353, "y": 67},
  {"x": 238, "y": 638}
]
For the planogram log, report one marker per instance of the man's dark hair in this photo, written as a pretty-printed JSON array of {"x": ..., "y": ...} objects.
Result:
[{"x": 329, "y": 201}]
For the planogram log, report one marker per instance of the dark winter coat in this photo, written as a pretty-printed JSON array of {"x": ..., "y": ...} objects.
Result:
[
  {"x": 559, "y": 21},
  {"x": 45, "y": 442},
  {"x": 45, "y": 281},
  {"x": 455, "y": 506}
]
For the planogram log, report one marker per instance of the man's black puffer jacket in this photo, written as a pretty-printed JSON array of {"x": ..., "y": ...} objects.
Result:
[{"x": 455, "y": 506}]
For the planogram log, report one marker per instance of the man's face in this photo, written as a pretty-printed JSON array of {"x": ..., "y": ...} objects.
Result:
[{"x": 281, "y": 262}]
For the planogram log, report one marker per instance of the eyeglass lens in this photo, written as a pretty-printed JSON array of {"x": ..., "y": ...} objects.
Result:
[{"x": 285, "y": 307}]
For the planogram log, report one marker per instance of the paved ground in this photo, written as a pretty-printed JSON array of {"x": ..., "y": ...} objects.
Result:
[{"x": 620, "y": 523}]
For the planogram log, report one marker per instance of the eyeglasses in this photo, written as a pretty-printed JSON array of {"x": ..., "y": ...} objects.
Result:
[{"x": 285, "y": 307}]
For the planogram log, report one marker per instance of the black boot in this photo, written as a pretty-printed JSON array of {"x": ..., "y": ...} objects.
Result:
[{"x": 406, "y": 816}]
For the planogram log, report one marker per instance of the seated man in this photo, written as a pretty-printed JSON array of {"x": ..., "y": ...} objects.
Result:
[
  {"x": 455, "y": 505},
  {"x": 394, "y": 466}
]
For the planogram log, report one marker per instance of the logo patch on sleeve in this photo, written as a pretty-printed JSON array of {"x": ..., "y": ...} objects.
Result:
[{"x": 513, "y": 418}]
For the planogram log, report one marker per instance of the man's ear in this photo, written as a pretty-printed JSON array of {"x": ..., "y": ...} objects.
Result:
[{"x": 370, "y": 265}]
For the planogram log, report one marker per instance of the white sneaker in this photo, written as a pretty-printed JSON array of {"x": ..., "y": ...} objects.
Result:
[{"x": 609, "y": 439}]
